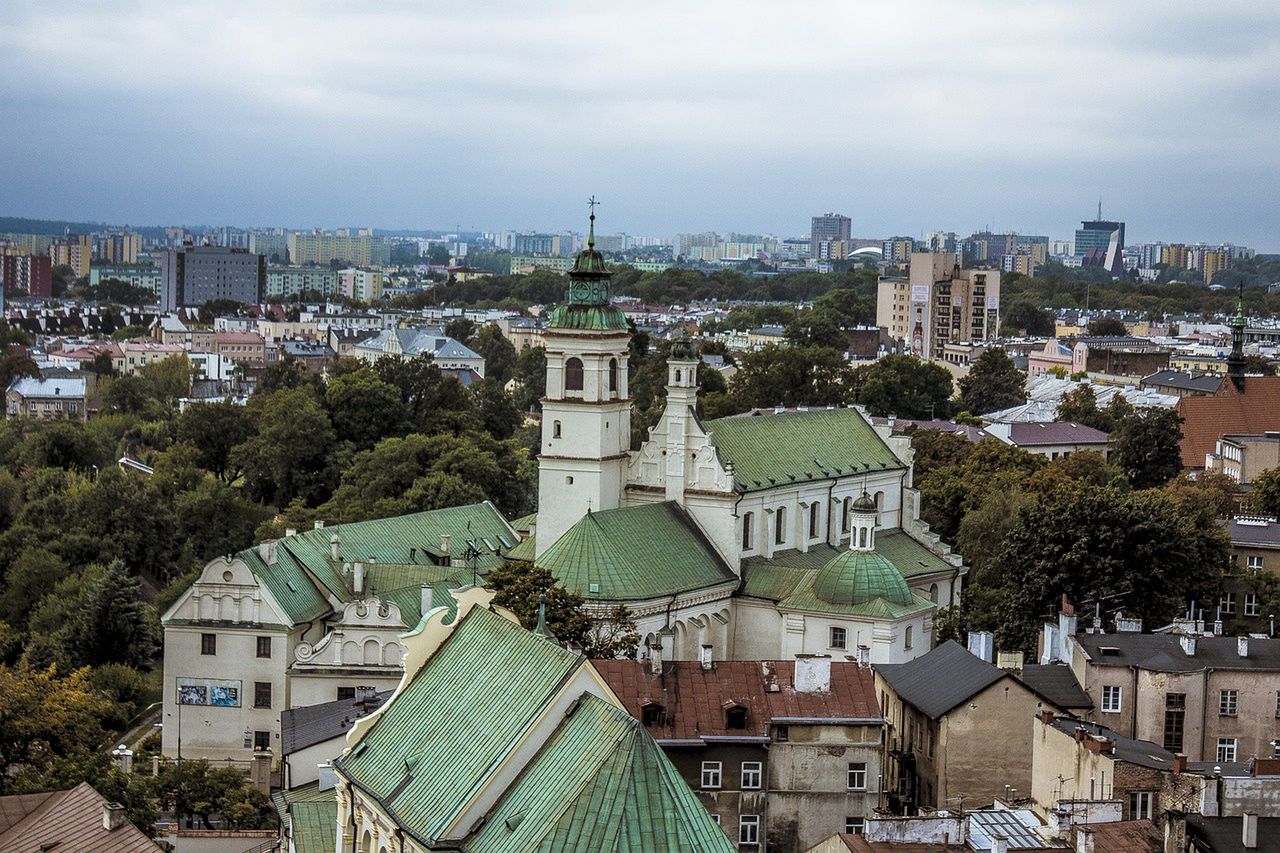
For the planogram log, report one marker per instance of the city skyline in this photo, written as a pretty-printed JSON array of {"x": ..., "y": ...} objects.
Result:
[{"x": 907, "y": 120}]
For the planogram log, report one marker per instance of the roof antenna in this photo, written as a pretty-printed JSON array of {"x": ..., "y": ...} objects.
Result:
[{"x": 1099, "y": 208}]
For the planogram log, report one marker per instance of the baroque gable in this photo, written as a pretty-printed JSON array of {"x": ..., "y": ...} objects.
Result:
[
  {"x": 227, "y": 591},
  {"x": 648, "y": 467}
]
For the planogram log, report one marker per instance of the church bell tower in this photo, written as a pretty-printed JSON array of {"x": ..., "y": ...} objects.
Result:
[{"x": 586, "y": 414}]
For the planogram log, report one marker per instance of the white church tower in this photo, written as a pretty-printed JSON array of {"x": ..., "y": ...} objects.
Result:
[{"x": 586, "y": 414}]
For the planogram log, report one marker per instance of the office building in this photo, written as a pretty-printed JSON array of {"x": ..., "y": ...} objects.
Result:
[
  {"x": 194, "y": 275},
  {"x": 939, "y": 303},
  {"x": 30, "y": 273},
  {"x": 322, "y": 248},
  {"x": 828, "y": 227},
  {"x": 1100, "y": 243}
]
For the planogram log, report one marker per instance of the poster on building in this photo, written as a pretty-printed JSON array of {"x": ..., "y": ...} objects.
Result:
[
  {"x": 209, "y": 691},
  {"x": 919, "y": 293},
  {"x": 993, "y": 302}
]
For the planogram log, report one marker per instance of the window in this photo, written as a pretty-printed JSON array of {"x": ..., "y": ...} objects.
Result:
[
  {"x": 839, "y": 638},
  {"x": 782, "y": 734},
  {"x": 261, "y": 741},
  {"x": 651, "y": 714},
  {"x": 1140, "y": 805},
  {"x": 735, "y": 717},
  {"x": 780, "y": 526},
  {"x": 573, "y": 374},
  {"x": 751, "y": 774},
  {"x": 749, "y": 829},
  {"x": 844, "y": 515},
  {"x": 748, "y": 531},
  {"x": 346, "y": 693},
  {"x": 1175, "y": 713},
  {"x": 613, "y": 375},
  {"x": 1278, "y": 704},
  {"x": 1227, "y": 604},
  {"x": 208, "y": 644},
  {"x": 1254, "y": 563},
  {"x": 262, "y": 694},
  {"x": 906, "y": 643},
  {"x": 264, "y": 647},
  {"x": 555, "y": 429},
  {"x": 1228, "y": 701},
  {"x": 813, "y": 520},
  {"x": 1251, "y": 606},
  {"x": 1111, "y": 699},
  {"x": 711, "y": 774},
  {"x": 857, "y": 776},
  {"x": 1226, "y": 749},
  {"x": 853, "y": 825}
]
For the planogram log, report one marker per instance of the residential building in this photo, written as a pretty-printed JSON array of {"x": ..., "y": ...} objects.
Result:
[
  {"x": 1213, "y": 262},
  {"x": 523, "y": 332},
  {"x": 826, "y": 228},
  {"x": 76, "y": 819},
  {"x": 194, "y": 275},
  {"x": 1055, "y": 439},
  {"x": 498, "y": 739},
  {"x": 313, "y": 355},
  {"x": 119, "y": 248},
  {"x": 1255, "y": 557},
  {"x": 75, "y": 251},
  {"x": 309, "y": 618},
  {"x": 360, "y": 285},
  {"x": 1214, "y": 698},
  {"x": 1247, "y": 833},
  {"x": 136, "y": 354},
  {"x": 30, "y": 273},
  {"x": 796, "y": 744},
  {"x": 1056, "y": 357},
  {"x": 247, "y": 348},
  {"x": 411, "y": 343},
  {"x": 1100, "y": 243},
  {"x": 1087, "y": 769},
  {"x": 57, "y": 399},
  {"x": 1181, "y": 384},
  {"x": 142, "y": 277},
  {"x": 525, "y": 264},
  {"x": 171, "y": 329},
  {"x": 958, "y": 727},
  {"x": 1117, "y": 356},
  {"x": 1244, "y": 457},
  {"x": 322, "y": 248},
  {"x": 287, "y": 282},
  {"x": 272, "y": 245},
  {"x": 939, "y": 303}
]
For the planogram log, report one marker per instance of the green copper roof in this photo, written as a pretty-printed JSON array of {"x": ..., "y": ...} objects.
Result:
[
  {"x": 599, "y": 784},
  {"x": 586, "y": 306},
  {"x": 589, "y": 318},
  {"x": 798, "y": 447},
  {"x": 858, "y": 577},
  {"x": 525, "y": 550},
  {"x": 804, "y": 598},
  {"x": 635, "y": 553},
  {"x": 444, "y": 735},
  {"x": 312, "y": 816}
]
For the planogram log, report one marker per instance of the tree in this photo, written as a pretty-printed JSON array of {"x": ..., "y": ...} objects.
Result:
[
  {"x": 168, "y": 379},
  {"x": 16, "y": 363},
  {"x": 286, "y": 373},
  {"x": 128, "y": 333},
  {"x": 497, "y": 410},
  {"x": 290, "y": 454},
  {"x": 194, "y": 789},
  {"x": 28, "y": 578},
  {"x": 215, "y": 308},
  {"x": 214, "y": 429},
  {"x": 791, "y": 376},
  {"x": 1146, "y": 447},
  {"x": 905, "y": 386},
  {"x": 1023, "y": 317},
  {"x": 499, "y": 353},
  {"x": 531, "y": 375},
  {"x": 46, "y": 716},
  {"x": 521, "y": 586},
  {"x": 994, "y": 382},
  {"x": 816, "y": 329},
  {"x": 1256, "y": 365},
  {"x": 460, "y": 329},
  {"x": 364, "y": 408},
  {"x": 116, "y": 624},
  {"x": 1107, "y": 327}
]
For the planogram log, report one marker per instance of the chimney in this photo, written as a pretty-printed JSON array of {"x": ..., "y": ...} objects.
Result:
[
  {"x": 357, "y": 581},
  {"x": 290, "y": 532},
  {"x": 1249, "y": 831},
  {"x": 1242, "y": 646},
  {"x": 1189, "y": 645},
  {"x": 328, "y": 776},
  {"x": 1175, "y": 833},
  {"x": 426, "y": 599},
  {"x": 813, "y": 674},
  {"x": 445, "y": 539},
  {"x": 1179, "y": 762},
  {"x": 1046, "y": 717},
  {"x": 981, "y": 644},
  {"x": 319, "y": 525},
  {"x": 999, "y": 844},
  {"x": 864, "y": 655},
  {"x": 1085, "y": 842},
  {"x": 705, "y": 657},
  {"x": 655, "y": 658},
  {"x": 113, "y": 816},
  {"x": 335, "y": 548}
]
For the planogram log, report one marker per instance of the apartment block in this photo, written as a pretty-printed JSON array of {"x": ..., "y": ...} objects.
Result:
[
  {"x": 939, "y": 303},
  {"x": 194, "y": 275}
]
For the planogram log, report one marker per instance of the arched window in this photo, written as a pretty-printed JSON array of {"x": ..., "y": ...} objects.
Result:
[
  {"x": 780, "y": 527},
  {"x": 933, "y": 593},
  {"x": 813, "y": 520},
  {"x": 844, "y": 515},
  {"x": 862, "y": 537},
  {"x": 555, "y": 429},
  {"x": 906, "y": 643},
  {"x": 613, "y": 375},
  {"x": 573, "y": 374},
  {"x": 748, "y": 531}
]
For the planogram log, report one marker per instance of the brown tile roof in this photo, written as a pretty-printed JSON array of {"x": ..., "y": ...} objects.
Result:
[
  {"x": 1206, "y": 419},
  {"x": 694, "y": 701},
  {"x": 71, "y": 820},
  {"x": 1125, "y": 836},
  {"x": 858, "y": 844},
  {"x": 17, "y": 806}
]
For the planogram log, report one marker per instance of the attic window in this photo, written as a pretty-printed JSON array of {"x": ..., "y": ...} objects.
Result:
[
  {"x": 651, "y": 714},
  {"x": 1112, "y": 651},
  {"x": 735, "y": 717}
]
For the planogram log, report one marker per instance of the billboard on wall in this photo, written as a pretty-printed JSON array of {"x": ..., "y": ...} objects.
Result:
[
  {"x": 218, "y": 692},
  {"x": 919, "y": 293}
]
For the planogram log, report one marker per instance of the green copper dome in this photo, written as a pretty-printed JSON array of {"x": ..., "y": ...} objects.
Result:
[
  {"x": 857, "y": 577},
  {"x": 587, "y": 305}
]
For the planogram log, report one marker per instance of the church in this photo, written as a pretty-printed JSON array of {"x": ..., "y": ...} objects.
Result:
[{"x": 752, "y": 537}]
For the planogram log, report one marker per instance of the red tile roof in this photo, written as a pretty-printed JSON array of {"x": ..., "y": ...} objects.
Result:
[
  {"x": 71, "y": 820},
  {"x": 1125, "y": 836},
  {"x": 1206, "y": 419},
  {"x": 694, "y": 701},
  {"x": 858, "y": 844}
]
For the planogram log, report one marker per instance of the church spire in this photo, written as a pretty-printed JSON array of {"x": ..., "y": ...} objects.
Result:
[{"x": 1235, "y": 361}]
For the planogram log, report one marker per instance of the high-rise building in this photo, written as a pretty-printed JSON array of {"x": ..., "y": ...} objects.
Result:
[
  {"x": 292, "y": 281},
  {"x": 1214, "y": 261},
  {"x": 939, "y": 303},
  {"x": 272, "y": 245},
  {"x": 75, "y": 251},
  {"x": 194, "y": 275},
  {"x": 323, "y": 248},
  {"x": 828, "y": 227},
  {"x": 32, "y": 273},
  {"x": 360, "y": 285},
  {"x": 1100, "y": 243},
  {"x": 118, "y": 248}
]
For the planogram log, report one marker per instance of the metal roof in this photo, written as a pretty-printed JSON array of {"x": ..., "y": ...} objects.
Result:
[
  {"x": 1164, "y": 653},
  {"x": 1057, "y": 683},
  {"x": 936, "y": 682},
  {"x": 1018, "y": 826},
  {"x": 72, "y": 820},
  {"x": 312, "y": 724},
  {"x": 33, "y": 386}
]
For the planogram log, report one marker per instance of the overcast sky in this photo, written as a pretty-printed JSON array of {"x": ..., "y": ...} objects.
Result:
[{"x": 705, "y": 115}]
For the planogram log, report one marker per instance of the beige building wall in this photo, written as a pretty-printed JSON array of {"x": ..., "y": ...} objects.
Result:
[{"x": 1062, "y": 769}]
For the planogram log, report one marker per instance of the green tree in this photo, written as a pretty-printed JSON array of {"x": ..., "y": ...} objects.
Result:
[
  {"x": 499, "y": 353},
  {"x": 1023, "y": 317},
  {"x": 1265, "y": 497},
  {"x": 128, "y": 333},
  {"x": 116, "y": 624},
  {"x": 460, "y": 329},
  {"x": 1107, "y": 327},
  {"x": 215, "y": 308},
  {"x": 520, "y": 587},
  {"x": 46, "y": 716},
  {"x": 284, "y": 374},
  {"x": 791, "y": 376},
  {"x": 905, "y": 386},
  {"x": 1146, "y": 447},
  {"x": 16, "y": 363},
  {"x": 497, "y": 410},
  {"x": 290, "y": 454},
  {"x": 994, "y": 382},
  {"x": 364, "y": 408},
  {"x": 814, "y": 328},
  {"x": 531, "y": 375},
  {"x": 27, "y": 579},
  {"x": 214, "y": 429},
  {"x": 168, "y": 379}
]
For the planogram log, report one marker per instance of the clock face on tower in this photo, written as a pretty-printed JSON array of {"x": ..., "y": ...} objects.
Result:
[{"x": 589, "y": 292}]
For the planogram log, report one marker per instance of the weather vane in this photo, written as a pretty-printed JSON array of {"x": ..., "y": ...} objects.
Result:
[{"x": 591, "y": 203}]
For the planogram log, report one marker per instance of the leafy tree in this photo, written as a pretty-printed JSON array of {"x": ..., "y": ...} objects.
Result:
[
  {"x": 195, "y": 790},
  {"x": 530, "y": 372},
  {"x": 499, "y": 353},
  {"x": 284, "y": 374},
  {"x": 460, "y": 329},
  {"x": 28, "y": 578},
  {"x": 497, "y": 410},
  {"x": 935, "y": 449},
  {"x": 1257, "y": 365},
  {"x": 520, "y": 586},
  {"x": 1265, "y": 497},
  {"x": 168, "y": 379},
  {"x": 116, "y": 625},
  {"x": 16, "y": 363},
  {"x": 433, "y": 401},
  {"x": 1146, "y": 447},
  {"x": 791, "y": 376},
  {"x": 214, "y": 429},
  {"x": 364, "y": 408},
  {"x": 215, "y": 308},
  {"x": 438, "y": 254},
  {"x": 1023, "y": 317},
  {"x": 905, "y": 386},
  {"x": 816, "y": 329},
  {"x": 994, "y": 382},
  {"x": 128, "y": 333},
  {"x": 46, "y": 716},
  {"x": 129, "y": 395},
  {"x": 289, "y": 456},
  {"x": 1107, "y": 327}
]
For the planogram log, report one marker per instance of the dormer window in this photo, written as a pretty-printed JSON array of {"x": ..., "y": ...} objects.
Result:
[
  {"x": 735, "y": 717},
  {"x": 651, "y": 714}
]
